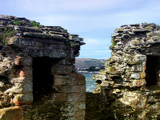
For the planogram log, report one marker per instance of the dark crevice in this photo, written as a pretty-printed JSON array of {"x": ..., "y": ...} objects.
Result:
[
  {"x": 153, "y": 71},
  {"x": 42, "y": 78}
]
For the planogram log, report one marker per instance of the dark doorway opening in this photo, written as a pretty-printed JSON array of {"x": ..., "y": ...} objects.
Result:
[
  {"x": 42, "y": 78},
  {"x": 153, "y": 71}
]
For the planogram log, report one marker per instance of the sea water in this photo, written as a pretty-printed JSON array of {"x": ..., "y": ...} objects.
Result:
[{"x": 90, "y": 83}]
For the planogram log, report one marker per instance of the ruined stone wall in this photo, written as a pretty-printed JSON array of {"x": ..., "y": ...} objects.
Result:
[
  {"x": 37, "y": 76},
  {"x": 129, "y": 88}
]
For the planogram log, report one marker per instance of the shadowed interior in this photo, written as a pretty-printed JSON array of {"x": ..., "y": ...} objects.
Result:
[
  {"x": 42, "y": 77},
  {"x": 153, "y": 70}
]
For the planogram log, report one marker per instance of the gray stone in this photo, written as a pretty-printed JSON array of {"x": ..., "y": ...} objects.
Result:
[{"x": 135, "y": 76}]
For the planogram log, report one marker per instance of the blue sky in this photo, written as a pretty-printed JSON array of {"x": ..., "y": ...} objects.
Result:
[{"x": 93, "y": 20}]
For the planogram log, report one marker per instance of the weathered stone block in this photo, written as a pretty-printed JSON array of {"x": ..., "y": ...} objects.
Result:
[
  {"x": 78, "y": 79},
  {"x": 11, "y": 113},
  {"x": 134, "y": 99},
  {"x": 61, "y": 79},
  {"x": 80, "y": 113},
  {"x": 80, "y": 106},
  {"x": 26, "y": 61},
  {"x": 19, "y": 80},
  {"x": 21, "y": 85},
  {"x": 27, "y": 87},
  {"x": 65, "y": 62},
  {"x": 143, "y": 75},
  {"x": 62, "y": 69},
  {"x": 78, "y": 89},
  {"x": 60, "y": 97},
  {"x": 27, "y": 72},
  {"x": 23, "y": 99},
  {"x": 137, "y": 68},
  {"x": 135, "y": 76},
  {"x": 17, "y": 60},
  {"x": 139, "y": 58},
  {"x": 105, "y": 83},
  {"x": 99, "y": 77},
  {"x": 81, "y": 97},
  {"x": 138, "y": 83},
  {"x": 130, "y": 98},
  {"x": 62, "y": 89},
  {"x": 71, "y": 89}
]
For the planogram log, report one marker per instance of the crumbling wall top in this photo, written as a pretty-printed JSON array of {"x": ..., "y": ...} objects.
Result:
[
  {"x": 29, "y": 28},
  {"x": 135, "y": 36},
  {"x": 30, "y": 36}
]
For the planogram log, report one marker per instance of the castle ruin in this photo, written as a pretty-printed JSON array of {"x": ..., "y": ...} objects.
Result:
[{"x": 38, "y": 79}]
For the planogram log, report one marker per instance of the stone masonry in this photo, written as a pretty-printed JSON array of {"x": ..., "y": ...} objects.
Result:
[
  {"x": 38, "y": 80},
  {"x": 130, "y": 83}
]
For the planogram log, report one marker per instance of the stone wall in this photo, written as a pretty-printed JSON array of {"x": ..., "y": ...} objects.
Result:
[
  {"x": 130, "y": 82},
  {"x": 38, "y": 79}
]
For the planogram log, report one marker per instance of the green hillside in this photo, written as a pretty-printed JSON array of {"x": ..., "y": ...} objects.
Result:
[{"x": 82, "y": 63}]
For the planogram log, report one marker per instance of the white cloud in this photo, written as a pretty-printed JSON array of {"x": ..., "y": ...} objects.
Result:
[
  {"x": 98, "y": 44},
  {"x": 92, "y": 42},
  {"x": 98, "y": 54},
  {"x": 94, "y": 20},
  {"x": 95, "y": 48},
  {"x": 64, "y": 13},
  {"x": 58, "y": 5}
]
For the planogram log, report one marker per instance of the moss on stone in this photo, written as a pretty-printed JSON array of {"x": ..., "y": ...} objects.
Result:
[
  {"x": 7, "y": 33},
  {"x": 36, "y": 24},
  {"x": 16, "y": 22},
  {"x": 71, "y": 43},
  {"x": 113, "y": 42}
]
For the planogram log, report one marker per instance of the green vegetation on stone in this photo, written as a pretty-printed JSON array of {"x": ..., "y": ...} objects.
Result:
[
  {"x": 113, "y": 42},
  {"x": 36, "y": 24},
  {"x": 16, "y": 22},
  {"x": 71, "y": 43},
  {"x": 7, "y": 32}
]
